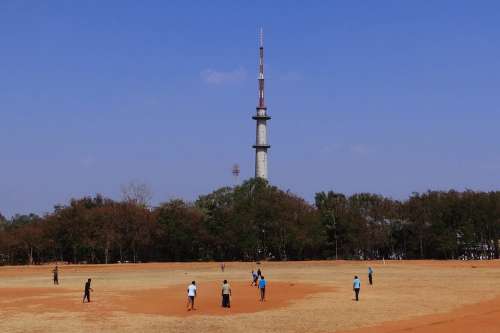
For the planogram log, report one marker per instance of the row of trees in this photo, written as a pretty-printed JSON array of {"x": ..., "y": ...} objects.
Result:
[{"x": 257, "y": 221}]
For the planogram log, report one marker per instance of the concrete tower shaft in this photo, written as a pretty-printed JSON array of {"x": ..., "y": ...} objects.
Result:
[{"x": 261, "y": 145}]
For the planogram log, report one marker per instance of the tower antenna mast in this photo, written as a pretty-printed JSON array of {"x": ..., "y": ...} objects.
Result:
[
  {"x": 236, "y": 173},
  {"x": 261, "y": 38},
  {"x": 261, "y": 145}
]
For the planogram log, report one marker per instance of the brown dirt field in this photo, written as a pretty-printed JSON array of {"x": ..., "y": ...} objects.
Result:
[
  {"x": 169, "y": 301},
  {"x": 481, "y": 317},
  {"x": 316, "y": 296}
]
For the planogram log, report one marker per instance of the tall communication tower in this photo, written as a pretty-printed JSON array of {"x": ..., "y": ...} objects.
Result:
[
  {"x": 236, "y": 173},
  {"x": 261, "y": 145}
]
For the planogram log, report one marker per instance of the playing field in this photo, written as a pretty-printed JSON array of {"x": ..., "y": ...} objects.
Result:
[{"x": 417, "y": 297}]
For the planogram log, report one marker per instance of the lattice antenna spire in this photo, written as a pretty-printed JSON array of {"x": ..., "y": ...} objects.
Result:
[
  {"x": 261, "y": 69},
  {"x": 261, "y": 38}
]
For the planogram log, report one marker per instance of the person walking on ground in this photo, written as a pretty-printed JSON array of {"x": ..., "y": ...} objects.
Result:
[
  {"x": 259, "y": 273},
  {"x": 226, "y": 295},
  {"x": 222, "y": 267},
  {"x": 86, "y": 292},
  {"x": 191, "y": 290},
  {"x": 255, "y": 279},
  {"x": 370, "y": 275},
  {"x": 55, "y": 273},
  {"x": 356, "y": 286},
  {"x": 262, "y": 288}
]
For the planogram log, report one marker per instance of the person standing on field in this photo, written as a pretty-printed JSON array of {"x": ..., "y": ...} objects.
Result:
[
  {"x": 255, "y": 278},
  {"x": 356, "y": 286},
  {"x": 370, "y": 275},
  {"x": 226, "y": 295},
  {"x": 55, "y": 273},
  {"x": 86, "y": 292},
  {"x": 191, "y": 290},
  {"x": 262, "y": 288}
]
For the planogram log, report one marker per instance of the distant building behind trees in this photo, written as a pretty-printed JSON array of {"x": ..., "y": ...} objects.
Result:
[{"x": 255, "y": 221}]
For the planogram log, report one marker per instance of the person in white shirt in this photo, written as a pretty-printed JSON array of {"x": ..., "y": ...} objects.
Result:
[
  {"x": 226, "y": 295},
  {"x": 191, "y": 290}
]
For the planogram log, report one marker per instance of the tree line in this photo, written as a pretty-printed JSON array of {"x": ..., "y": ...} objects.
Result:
[{"x": 255, "y": 221}]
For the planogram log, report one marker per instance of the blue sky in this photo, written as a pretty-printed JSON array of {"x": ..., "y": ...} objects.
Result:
[{"x": 389, "y": 97}]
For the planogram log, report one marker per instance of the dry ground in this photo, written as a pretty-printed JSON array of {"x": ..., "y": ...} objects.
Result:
[{"x": 419, "y": 296}]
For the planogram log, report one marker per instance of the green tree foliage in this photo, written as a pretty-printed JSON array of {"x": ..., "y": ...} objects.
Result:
[
  {"x": 255, "y": 221},
  {"x": 180, "y": 231}
]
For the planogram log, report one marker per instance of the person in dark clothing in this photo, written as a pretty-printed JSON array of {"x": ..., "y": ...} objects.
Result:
[
  {"x": 259, "y": 273},
  {"x": 370, "y": 275},
  {"x": 226, "y": 295},
  {"x": 55, "y": 273},
  {"x": 88, "y": 289}
]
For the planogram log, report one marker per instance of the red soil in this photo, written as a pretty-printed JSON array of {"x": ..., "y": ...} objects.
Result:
[{"x": 170, "y": 301}]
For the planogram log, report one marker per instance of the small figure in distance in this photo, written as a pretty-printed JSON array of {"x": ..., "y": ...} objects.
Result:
[
  {"x": 255, "y": 278},
  {"x": 259, "y": 273},
  {"x": 191, "y": 295},
  {"x": 55, "y": 273},
  {"x": 262, "y": 288},
  {"x": 88, "y": 289},
  {"x": 370, "y": 275},
  {"x": 356, "y": 286},
  {"x": 226, "y": 295},
  {"x": 222, "y": 267}
]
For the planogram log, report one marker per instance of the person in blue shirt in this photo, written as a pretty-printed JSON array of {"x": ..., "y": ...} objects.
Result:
[
  {"x": 370, "y": 275},
  {"x": 262, "y": 288},
  {"x": 356, "y": 286}
]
